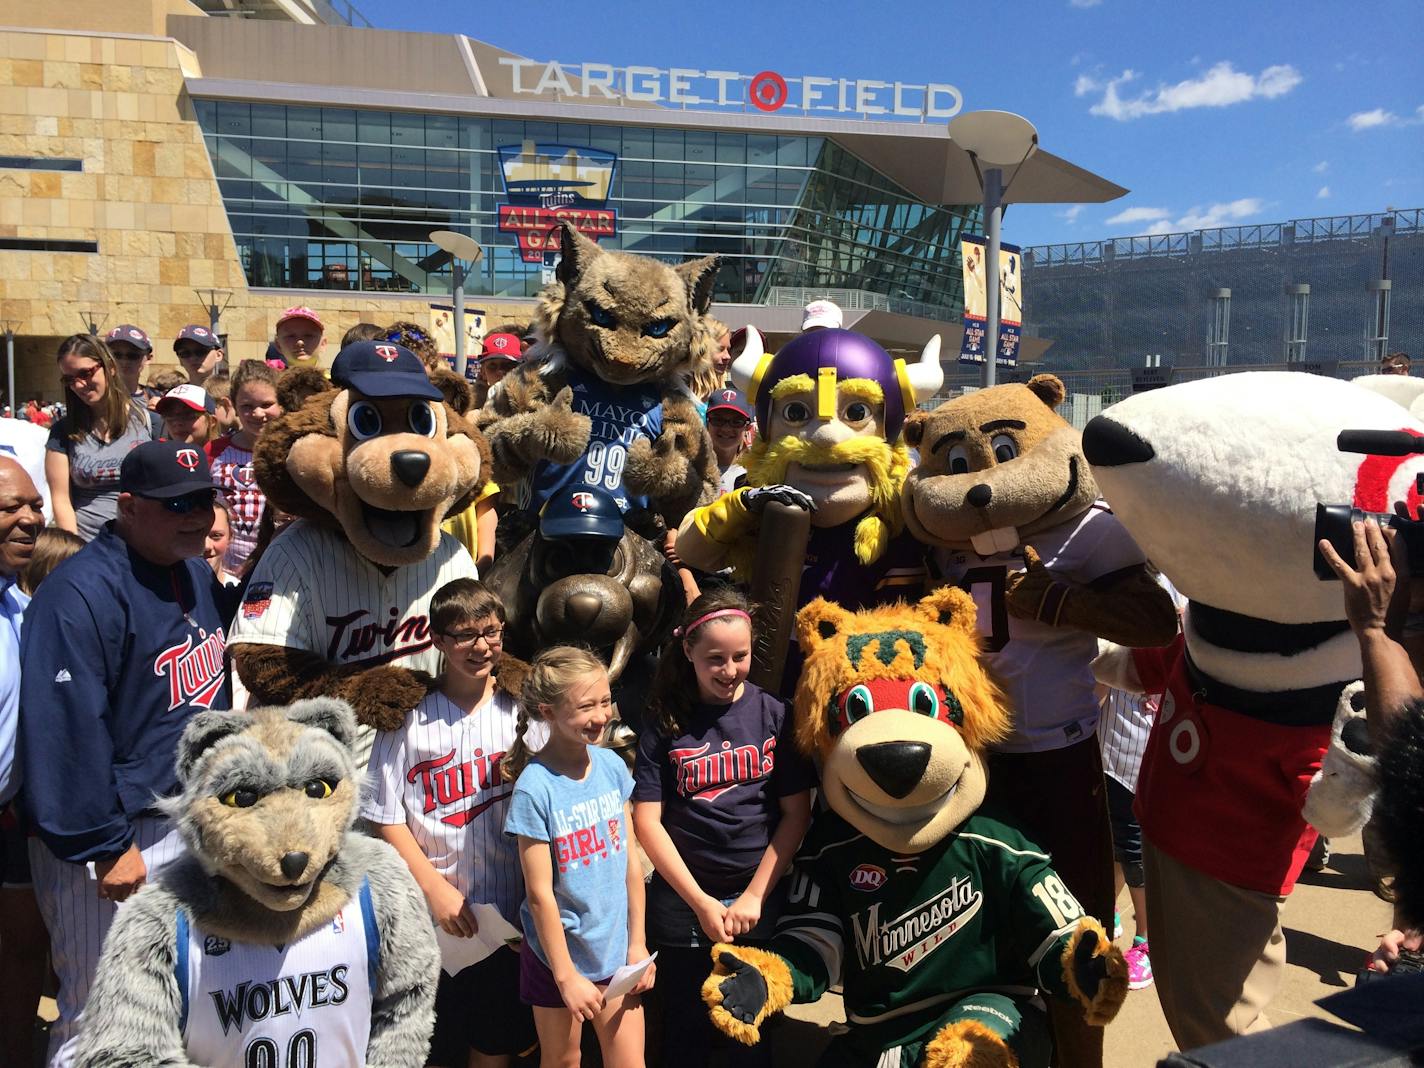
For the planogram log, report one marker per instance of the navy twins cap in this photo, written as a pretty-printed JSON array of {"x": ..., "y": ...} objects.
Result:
[
  {"x": 731, "y": 399},
  {"x": 201, "y": 334},
  {"x": 130, "y": 335},
  {"x": 164, "y": 469},
  {"x": 583, "y": 512},
  {"x": 382, "y": 369}
]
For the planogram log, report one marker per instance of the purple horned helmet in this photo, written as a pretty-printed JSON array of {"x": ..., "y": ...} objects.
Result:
[{"x": 831, "y": 356}]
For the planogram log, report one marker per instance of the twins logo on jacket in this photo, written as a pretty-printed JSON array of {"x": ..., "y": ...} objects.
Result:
[{"x": 194, "y": 670}]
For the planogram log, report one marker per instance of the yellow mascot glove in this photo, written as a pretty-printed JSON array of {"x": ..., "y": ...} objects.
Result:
[
  {"x": 746, "y": 986},
  {"x": 1095, "y": 972}
]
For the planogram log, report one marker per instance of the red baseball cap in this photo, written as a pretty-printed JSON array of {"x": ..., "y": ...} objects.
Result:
[
  {"x": 301, "y": 312},
  {"x": 501, "y": 346}
]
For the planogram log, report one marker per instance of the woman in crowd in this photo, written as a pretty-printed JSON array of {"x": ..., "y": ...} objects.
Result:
[{"x": 101, "y": 424}]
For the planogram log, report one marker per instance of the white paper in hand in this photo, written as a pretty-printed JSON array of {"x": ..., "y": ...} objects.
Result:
[
  {"x": 457, "y": 954},
  {"x": 626, "y": 978}
]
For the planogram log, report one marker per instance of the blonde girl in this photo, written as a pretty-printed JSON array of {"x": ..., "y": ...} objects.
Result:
[
  {"x": 254, "y": 396},
  {"x": 583, "y": 909}
]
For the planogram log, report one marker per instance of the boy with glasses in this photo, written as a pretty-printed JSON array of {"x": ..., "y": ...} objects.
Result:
[
  {"x": 729, "y": 422},
  {"x": 199, "y": 352},
  {"x": 132, "y": 350},
  {"x": 440, "y": 801}
]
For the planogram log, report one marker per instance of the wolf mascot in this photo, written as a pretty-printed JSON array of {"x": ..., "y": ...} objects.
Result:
[
  {"x": 941, "y": 921},
  {"x": 281, "y": 937}
]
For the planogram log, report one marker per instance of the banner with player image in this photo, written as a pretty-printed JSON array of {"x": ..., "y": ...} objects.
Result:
[
  {"x": 976, "y": 309},
  {"x": 442, "y": 330}
]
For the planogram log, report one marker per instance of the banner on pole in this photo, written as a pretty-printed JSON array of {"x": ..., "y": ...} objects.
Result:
[
  {"x": 442, "y": 332},
  {"x": 976, "y": 303}
]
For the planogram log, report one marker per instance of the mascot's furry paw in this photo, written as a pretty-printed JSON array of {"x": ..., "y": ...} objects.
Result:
[
  {"x": 1033, "y": 593},
  {"x": 969, "y": 1044},
  {"x": 746, "y": 986},
  {"x": 1095, "y": 972},
  {"x": 1342, "y": 793},
  {"x": 673, "y": 469},
  {"x": 556, "y": 432},
  {"x": 299, "y": 383},
  {"x": 385, "y": 695}
]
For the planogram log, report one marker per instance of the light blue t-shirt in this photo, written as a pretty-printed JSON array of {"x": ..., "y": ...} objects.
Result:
[{"x": 588, "y": 844}]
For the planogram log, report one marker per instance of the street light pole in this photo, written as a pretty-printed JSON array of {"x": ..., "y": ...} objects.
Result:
[
  {"x": 10, "y": 369},
  {"x": 993, "y": 216},
  {"x": 460, "y": 247}
]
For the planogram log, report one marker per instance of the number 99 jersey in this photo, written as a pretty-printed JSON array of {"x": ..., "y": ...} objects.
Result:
[
  {"x": 303, "y": 1005},
  {"x": 911, "y": 936},
  {"x": 619, "y": 416}
]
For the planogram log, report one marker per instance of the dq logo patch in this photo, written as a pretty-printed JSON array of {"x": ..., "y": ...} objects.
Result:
[
  {"x": 257, "y": 600},
  {"x": 867, "y": 878},
  {"x": 389, "y": 353}
]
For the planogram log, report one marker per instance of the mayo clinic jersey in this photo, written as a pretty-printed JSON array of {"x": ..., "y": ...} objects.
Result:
[
  {"x": 307, "y": 1004},
  {"x": 620, "y": 416},
  {"x": 908, "y": 936},
  {"x": 439, "y": 776},
  {"x": 313, "y": 591},
  {"x": 1046, "y": 672}
]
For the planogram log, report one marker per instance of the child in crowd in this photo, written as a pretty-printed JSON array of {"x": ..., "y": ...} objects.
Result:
[
  {"x": 299, "y": 338},
  {"x": 188, "y": 415},
  {"x": 224, "y": 414},
  {"x": 219, "y": 540},
  {"x": 720, "y": 832},
  {"x": 583, "y": 910},
  {"x": 440, "y": 800},
  {"x": 199, "y": 353},
  {"x": 160, "y": 382},
  {"x": 1123, "y": 727},
  {"x": 52, "y": 548},
  {"x": 363, "y": 332},
  {"x": 254, "y": 394},
  {"x": 729, "y": 423}
]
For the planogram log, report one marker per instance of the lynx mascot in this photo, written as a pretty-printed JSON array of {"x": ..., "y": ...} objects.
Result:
[
  {"x": 605, "y": 402},
  {"x": 829, "y": 410},
  {"x": 940, "y": 920},
  {"x": 1218, "y": 481},
  {"x": 281, "y": 938}
]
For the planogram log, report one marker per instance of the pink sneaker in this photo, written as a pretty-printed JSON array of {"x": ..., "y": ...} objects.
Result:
[{"x": 1139, "y": 967}]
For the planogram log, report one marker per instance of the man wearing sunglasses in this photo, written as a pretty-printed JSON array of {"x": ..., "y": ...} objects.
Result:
[{"x": 124, "y": 643}]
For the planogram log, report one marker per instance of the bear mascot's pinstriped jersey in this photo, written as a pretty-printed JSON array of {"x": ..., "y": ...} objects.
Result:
[
  {"x": 942, "y": 921},
  {"x": 281, "y": 937}
]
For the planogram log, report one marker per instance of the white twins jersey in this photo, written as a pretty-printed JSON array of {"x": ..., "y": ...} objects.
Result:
[
  {"x": 313, "y": 591},
  {"x": 306, "y": 1005},
  {"x": 1045, "y": 671},
  {"x": 439, "y": 776}
]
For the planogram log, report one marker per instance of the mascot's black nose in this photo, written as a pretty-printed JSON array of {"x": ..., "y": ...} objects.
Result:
[
  {"x": 1107, "y": 443},
  {"x": 293, "y": 864},
  {"x": 410, "y": 466},
  {"x": 583, "y": 609},
  {"x": 895, "y": 767},
  {"x": 979, "y": 496}
]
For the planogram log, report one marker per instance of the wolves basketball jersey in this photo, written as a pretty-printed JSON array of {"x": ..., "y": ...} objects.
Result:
[{"x": 306, "y": 1005}]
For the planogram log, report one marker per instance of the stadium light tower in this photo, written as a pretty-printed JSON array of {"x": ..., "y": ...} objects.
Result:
[
  {"x": 461, "y": 247},
  {"x": 995, "y": 140}
]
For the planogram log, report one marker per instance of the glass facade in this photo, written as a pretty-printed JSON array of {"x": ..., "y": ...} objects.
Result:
[{"x": 339, "y": 198}]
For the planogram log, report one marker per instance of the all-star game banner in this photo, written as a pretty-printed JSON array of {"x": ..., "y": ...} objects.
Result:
[
  {"x": 442, "y": 331},
  {"x": 976, "y": 310}
]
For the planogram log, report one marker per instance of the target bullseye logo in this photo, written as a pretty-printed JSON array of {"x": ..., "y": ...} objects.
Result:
[{"x": 767, "y": 90}]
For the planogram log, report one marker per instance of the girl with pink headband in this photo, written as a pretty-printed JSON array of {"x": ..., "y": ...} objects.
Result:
[{"x": 721, "y": 800}]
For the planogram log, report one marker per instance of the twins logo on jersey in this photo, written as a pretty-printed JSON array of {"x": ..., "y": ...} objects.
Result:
[
  {"x": 706, "y": 777},
  {"x": 444, "y": 784},
  {"x": 905, "y": 941},
  {"x": 352, "y": 640},
  {"x": 194, "y": 672}
]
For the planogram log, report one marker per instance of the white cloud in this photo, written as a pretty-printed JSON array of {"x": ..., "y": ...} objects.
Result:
[
  {"x": 1220, "y": 86},
  {"x": 1160, "y": 221},
  {"x": 1369, "y": 120},
  {"x": 1321, "y": 167},
  {"x": 1084, "y": 3},
  {"x": 1070, "y": 214},
  {"x": 1323, "y": 193},
  {"x": 1137, "y": 215}
]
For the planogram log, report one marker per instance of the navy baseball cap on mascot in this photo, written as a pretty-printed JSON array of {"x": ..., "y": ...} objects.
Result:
[
  {"x": 585, "y": 512},
  {"x": 382, "y": 369}
]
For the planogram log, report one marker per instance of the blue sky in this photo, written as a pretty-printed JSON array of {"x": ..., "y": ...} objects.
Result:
[{"x": 1211, "y": 112}]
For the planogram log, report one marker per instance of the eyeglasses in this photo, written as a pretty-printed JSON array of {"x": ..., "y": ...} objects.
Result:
[
  {"x": 730, "y": 422},
  {"x": 189, "y": 502},
  {"x": 86, "y": 375},
  {"x": 466, "y": 639}
]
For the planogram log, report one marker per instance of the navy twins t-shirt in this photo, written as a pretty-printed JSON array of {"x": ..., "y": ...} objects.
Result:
[{"x": 720, "y": 785}]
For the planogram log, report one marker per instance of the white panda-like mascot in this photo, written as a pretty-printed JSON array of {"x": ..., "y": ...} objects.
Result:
[{"x": 1218, "y": 481}]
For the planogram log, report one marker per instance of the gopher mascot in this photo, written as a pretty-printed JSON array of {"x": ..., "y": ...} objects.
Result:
[
  {"x": 604, "y": 401},
  {"x": 338, "y": 605},
  {"x": 280, "y": 938},
  {"x": 941, "y": 920},
  {"x": 1005, "y": 499},
  {"x": 1219, "y": 480}
]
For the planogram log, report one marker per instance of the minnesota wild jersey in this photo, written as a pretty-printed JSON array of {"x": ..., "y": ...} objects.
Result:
[{"x": 919, "y": 939}]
